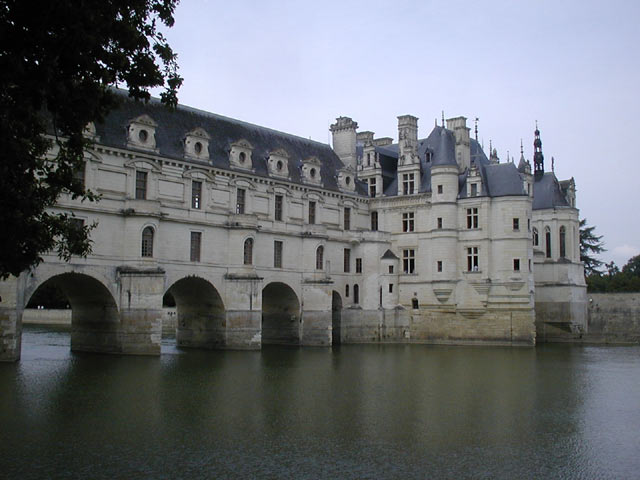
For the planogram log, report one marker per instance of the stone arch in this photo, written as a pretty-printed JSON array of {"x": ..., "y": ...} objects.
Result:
[
  {"x": 95, "y": 319},
  {"x": 201, "y": 315},
  {"x": 336, "y": 318},
  {"x": 281, "y": 319}
]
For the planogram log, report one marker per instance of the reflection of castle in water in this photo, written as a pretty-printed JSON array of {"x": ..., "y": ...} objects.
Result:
[{"x": 263, "y": 237}]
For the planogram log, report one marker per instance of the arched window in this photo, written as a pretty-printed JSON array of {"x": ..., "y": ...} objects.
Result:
[
  {"x": 147, "y": 242},
  {"x": 547, "y": 238},
  {"x": 320, "y": 258},
  {"x": 346, "y": 291},
  {"x": 356, "y": 294},
  {"x": 536, "y": 240},
  {"x": 248, "y": 251},
  {"x": 563, "y": 239}
]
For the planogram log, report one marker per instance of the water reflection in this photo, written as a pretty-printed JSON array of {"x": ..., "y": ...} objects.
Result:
[{"x": 370, "y": 411}]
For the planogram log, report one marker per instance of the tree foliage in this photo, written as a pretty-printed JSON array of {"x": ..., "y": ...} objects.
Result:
[
  {"x": 58, "y": 63},
  {"x": 590, "y": 244},
  {"x": 616, "y": 280}
]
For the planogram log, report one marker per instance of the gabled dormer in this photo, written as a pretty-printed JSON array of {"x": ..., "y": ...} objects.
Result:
[
  {"x": 240, "y": 155},
  {"x": 196, "y": 144},
  {"x": 141, "y": 133},
  {"x": 474, "y": 182},
  {"x": 346, "y": 179},
  {"x": 311, "y": 171},
  {"x": 278, "y": 163}
]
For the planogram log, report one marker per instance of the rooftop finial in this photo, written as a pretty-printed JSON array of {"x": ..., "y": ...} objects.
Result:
[
  {"x": 443, "y": 118},
  {"x": 538, "y": 157},
  {"x": 553, "y": 164},
  {"x": 490, "y": 147},
  {"x": 477, "y": 128},
  {"x": 521, "y": 149},
  {"x": 435, "y": 121}
]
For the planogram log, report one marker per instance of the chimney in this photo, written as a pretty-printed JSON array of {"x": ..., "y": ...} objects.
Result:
[
  {"x": 365, "y": 138},
  {"x": 344, "y": 140},
  {"x": 408, "y": 139},
  {"x": 461, "y": 132}
]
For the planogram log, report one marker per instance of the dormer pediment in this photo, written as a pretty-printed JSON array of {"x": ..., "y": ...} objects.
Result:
[
  {"x": 346, "y": 179},
  {"x": 240, "y": 155},
  {"x": 278, "y": 163},
  {"x": 141, "y": 133},
  {"x": 311, "y": 168},
  {"x": 196, "y": 144}
]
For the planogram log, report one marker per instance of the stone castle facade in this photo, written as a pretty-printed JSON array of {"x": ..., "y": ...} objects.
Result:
[{"x": 263, "y": 237}]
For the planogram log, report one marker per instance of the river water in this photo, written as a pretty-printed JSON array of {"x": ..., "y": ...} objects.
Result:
[{"x": 355, "y": 411}]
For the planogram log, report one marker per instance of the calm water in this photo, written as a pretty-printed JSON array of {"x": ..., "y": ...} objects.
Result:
[{"x": 351, "y": 412}]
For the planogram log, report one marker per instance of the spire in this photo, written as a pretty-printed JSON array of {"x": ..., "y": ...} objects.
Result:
[
  {"x": 521, "y": 151},
  {"x": 443, "y": 118},
  {"x": 538, "y": 157},
  {"x": 476, "y": 128}
]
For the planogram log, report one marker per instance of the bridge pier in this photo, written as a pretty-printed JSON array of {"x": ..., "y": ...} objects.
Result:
[
  {"x": 11, "y": 307},
  {"x": 243, "y": 296},
  {"x": 141, "y": 291},
  {"x": 316, "y": 312}
]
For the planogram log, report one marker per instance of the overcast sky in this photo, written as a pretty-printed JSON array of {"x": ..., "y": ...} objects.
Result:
[{"x": 574, "y": 66}]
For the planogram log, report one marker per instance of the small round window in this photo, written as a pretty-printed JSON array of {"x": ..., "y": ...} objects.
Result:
[
  {"x": 242, "y": 157},
  {"x": 312, "y": 173},
  {"x": 279, "y": 165},
  {"x": 143, "y": 135},
  {"x": 198, "y": 148},
  {"x": 347, "y": 180}
]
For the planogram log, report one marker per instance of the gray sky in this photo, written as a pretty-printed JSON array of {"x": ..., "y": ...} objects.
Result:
[{"x": 572, "y": 65}]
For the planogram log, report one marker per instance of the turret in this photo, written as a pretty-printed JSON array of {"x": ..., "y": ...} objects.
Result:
[
  {"x": 538, "y": 157},
  {"x": 344, "y": 141}
]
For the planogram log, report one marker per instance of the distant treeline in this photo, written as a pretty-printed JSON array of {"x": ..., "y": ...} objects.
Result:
[{"x": 616, "y": 280}]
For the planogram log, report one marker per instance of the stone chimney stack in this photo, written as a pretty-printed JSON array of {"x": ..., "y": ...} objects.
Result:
[
  {"x": 408, "y": 139},
  {"x": 344, "y": 140},
  {"x": 463, "y": 148}
]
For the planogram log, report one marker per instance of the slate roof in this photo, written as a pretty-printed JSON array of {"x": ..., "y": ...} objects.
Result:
[
  {"x": 173, "y": 125},
  {"x": 439, "y": 149},
  {"x": 547, "y": 193}
]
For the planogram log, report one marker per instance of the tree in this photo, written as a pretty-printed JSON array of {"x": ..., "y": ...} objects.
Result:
[
  {"x": 59, "y": 62},
  {"x": 632, "y": 267},
  {"x": 590, "y": 244}
]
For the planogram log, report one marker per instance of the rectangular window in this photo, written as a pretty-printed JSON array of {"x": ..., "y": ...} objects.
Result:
[
  {"x": 407, "y": 222},
  {"x": 474, "y": 189},
  {"x": 196, "y": 194},
  {"x": 516, "y": 224},
  {"x": 529, "y": 264},
  {"x": 409, "y": 261},
  {"x": 278, "y": 208},
  {"x": 472, "y": 218},
  {"x": 240, "y": 200},
  {"x": 440, "y": 189},
  {"x": 358, "y": 265},
  {"x": 347, "y": 218},
  {"x": 390, "y": 268},
  {"x": 408, "y": 184},
  {"x": 141, "y": 185},
  {"x": 312, "y": 212},
  {"x": 372, "y": 187},
  {"x": 391, "y": 288},
  {"x": 439, "y": 222},
  {"x": 528, "y": 224},
  {"x": 196, "y": 240},
  {"x": 439, "y": 265},
  {"x": 277, "y": 254},
  {"x": 78, "y": 175},
  {"x": 374, "y": 221},
  {"x": 472, "y": 259},
  {"x": 347, "y": 260},
  {"x": 516, "y": 264}
]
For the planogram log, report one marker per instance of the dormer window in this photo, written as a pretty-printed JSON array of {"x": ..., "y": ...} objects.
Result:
[
  {"x": 311, "y": 171},
  {"x": 240, "y": 155},
  {"x": 346, "y": 179},
  {"x": 141, "y": 133},
  {"x": 196, "y": 144},
  {"x": 278, "y": 163}
]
